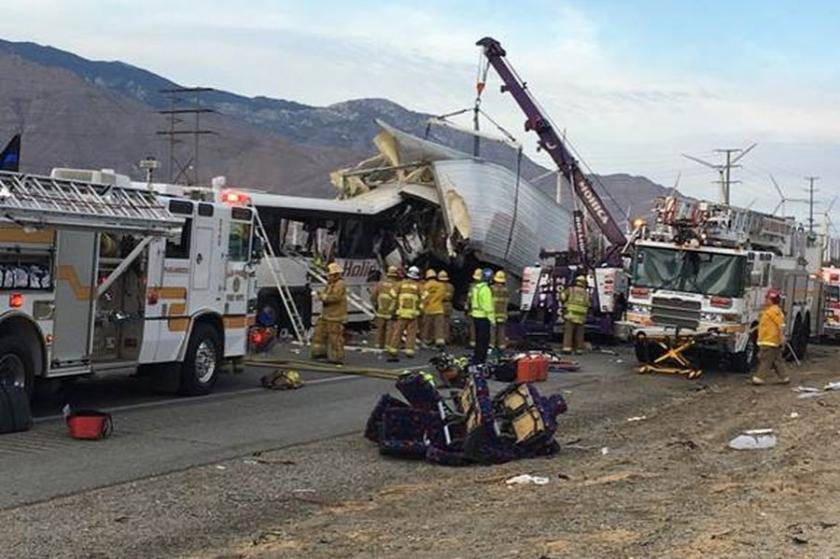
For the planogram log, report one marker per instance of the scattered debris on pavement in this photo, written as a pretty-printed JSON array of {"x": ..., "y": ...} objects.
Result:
[
  {"x": 527, "y": 479},
  {"x": 754, "y": 439}
]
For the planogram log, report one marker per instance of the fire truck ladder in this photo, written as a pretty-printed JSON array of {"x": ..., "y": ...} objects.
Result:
[
  {"x": 353, "y": 298},
  {"x": 286, "y": 297},
  {"x": 35, "y": 201}
]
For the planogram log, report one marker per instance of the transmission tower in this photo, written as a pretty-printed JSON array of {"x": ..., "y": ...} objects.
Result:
[
  {"x": 811, "y": 190},
  {"x": 184, "y": 102},
  {"x": 725, "y": 169}
]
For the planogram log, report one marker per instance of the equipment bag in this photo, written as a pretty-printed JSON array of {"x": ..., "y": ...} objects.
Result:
[
  {"x": 420, "y": 391},
  {"x": 532, "y": 368},
  {"x": 374, "y": 422},
  {"x": 15, "y": 414},
  {"x": 403, "y": 432},
  {"x": 527, "y": 416}
]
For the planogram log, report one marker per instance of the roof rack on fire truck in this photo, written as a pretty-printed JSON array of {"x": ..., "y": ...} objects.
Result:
[
  {"x": 37, "y": 201},
  {"x": 713, "y": 224}
]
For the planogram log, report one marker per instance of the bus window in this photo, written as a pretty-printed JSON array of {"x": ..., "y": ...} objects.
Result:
[{"x": 356, "y": 239}]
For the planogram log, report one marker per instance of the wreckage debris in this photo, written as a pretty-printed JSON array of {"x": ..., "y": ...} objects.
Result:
[
  {"x": 461, "y": 426},
  {"x": 754, "y": 439}
]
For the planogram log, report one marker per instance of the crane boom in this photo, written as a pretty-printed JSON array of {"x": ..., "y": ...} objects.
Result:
[{"x": 551, "y": 142}]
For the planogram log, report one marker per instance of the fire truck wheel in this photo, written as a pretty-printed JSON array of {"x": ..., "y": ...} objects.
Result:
[
  {"x": 17, "y": 365},
  {"x": 201, "y": 362},
  {"x": 745, "y": 361}
]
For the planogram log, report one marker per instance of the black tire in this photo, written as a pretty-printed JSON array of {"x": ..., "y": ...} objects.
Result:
[
  {"x": 744, "y": 361},
  {"x": 17, "y": 365},
  {"x": 202, "y": 361},
  {"x": 806, "y": 337},
  {"x": 647, "y": 352},
  {"x": 795, "y": 340}
]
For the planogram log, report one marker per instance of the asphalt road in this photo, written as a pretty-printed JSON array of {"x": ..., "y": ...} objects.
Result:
[{"x": 156, "y": 434}]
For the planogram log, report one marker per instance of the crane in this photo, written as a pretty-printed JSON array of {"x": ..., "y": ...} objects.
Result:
[{"x": 537, "y": 121}]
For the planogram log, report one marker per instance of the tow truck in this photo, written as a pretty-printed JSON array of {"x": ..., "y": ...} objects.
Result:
[
  {"x": 698, "y": 281},
  {"x": 541, "y": 282},
  {"x": 100, "y": 274}
]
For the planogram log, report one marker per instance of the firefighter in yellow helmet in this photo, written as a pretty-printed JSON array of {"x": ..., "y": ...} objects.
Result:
[
  {"x": 384, "y": 300},
  {"x": 771, "y": 341},
  {"x": 576, "y": 304},
  {"x": 408, "y": 309},
  {"x": 448, "y": 297},
  {"x": 425, "y": 324},
  {"x": 328, "y": 338},
  {"x": 468, "y": 306},
  {"x": 500, "y": 310},
  {"x": 432, "y": 299}
]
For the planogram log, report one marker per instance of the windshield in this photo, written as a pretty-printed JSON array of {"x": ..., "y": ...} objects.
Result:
[{"x": 688, "y": 270}]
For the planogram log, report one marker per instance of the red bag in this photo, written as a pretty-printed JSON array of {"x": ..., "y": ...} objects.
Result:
[
  {"x": 89, "y": 424},
  {"x": 532, "y": 368}
]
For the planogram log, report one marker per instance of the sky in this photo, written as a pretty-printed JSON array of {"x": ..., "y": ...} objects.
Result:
[{"x": 634, "y": 84}]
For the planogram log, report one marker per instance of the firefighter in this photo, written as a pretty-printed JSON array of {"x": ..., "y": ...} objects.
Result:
[
  {"x": 328, "y": 338},
  {"x": 384, "y": 299},
  {"x": 408, "y": 309},
  {"x": 576, "y": 306},
  {"x": 425, "y": 325},
  {"x": 467, "y": 311},
  {"x": 481, "y": 311},
  {"x": 431, "y": 299},
  {"x": 449, "y": 296},
  {"x": 771, "y": 341},
  {"x": 500, "y": 310}
]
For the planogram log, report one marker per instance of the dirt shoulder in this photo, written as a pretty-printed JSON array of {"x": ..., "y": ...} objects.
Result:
[{"x": 667, "y": 486}]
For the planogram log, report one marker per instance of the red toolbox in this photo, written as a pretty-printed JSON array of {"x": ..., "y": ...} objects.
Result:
[{"x": 532, "y": 368}]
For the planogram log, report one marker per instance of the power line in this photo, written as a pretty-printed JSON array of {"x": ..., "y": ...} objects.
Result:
[
  {"x": 174, "y": 132},
  {"x": 724, "y": 170},
  {"x": 811, "y": 191}
]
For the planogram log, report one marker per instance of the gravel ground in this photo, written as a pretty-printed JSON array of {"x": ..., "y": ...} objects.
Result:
[{"x": 667, "y": 486}]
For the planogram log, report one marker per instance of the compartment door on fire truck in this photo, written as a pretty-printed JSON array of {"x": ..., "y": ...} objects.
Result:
[
  {"x": 205, "y": 241},
  {"x": 239, "y": 283},
  {"x": 74, "y": 286}
]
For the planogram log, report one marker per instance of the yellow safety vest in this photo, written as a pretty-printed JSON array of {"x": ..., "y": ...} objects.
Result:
[
  {"x": 576, "y": 303},
  {"x": 481, "y": 302}
]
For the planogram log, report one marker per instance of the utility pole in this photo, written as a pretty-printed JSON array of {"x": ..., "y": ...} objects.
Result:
[
  {"x": 811, "y": 192},
  {"x": 725, "y": 170},
  {"x": 188, "y": 171}
]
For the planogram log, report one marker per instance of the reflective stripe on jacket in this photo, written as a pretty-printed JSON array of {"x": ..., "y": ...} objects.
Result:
[
  {"x": 334, "y": 298},
  {"x": 408, "y": 299},
  {"x": 576, "y": 304},
  {"x": 481, "y": 302},
  {"x": 384, "y": 298},
  {"x": 433, "y": 296},
  {"x": 500, "y": 302},
  {"x": 771, "y": 327}
]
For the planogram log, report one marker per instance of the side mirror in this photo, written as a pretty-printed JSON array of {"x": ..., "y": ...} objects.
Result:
[{"x": 257, "y": 250}]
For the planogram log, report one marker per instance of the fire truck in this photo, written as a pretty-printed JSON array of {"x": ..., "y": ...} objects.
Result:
[
  {"x": 100, "y": 275},
  {"x": 831, "y": 284},
  {"x": 702, "y": 271}
]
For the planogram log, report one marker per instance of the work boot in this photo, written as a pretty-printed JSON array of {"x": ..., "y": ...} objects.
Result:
[
  {"x": 785, "y": 380},
  {"x": 567, "y": 351},
  {"x": 758, "y": 381}
]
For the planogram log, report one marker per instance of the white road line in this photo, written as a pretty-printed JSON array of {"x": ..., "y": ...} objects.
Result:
[{"x": 216, "y": 396}]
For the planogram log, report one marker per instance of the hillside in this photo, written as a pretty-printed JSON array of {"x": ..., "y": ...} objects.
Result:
[{"x": 102, "y": 114}]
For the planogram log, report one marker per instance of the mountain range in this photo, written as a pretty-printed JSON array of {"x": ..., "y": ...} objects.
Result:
[{"x": 103, "y": 114}]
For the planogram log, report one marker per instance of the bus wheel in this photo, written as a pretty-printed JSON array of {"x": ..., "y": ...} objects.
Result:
[
  {"x": 202, "y": 361},
  {"x": 16, "y": 364}
]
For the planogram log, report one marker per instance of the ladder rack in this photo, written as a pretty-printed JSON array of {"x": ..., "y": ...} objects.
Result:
[{"x": 38, "y": 201}]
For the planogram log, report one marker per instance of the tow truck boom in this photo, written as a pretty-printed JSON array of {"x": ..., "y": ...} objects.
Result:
[{"x": 551, "y": 143}]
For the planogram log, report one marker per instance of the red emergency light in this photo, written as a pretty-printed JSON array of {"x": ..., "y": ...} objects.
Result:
[
  {"x": 721, "y": 302},
  {"x": 16, "y": 300},
  {"x": 235, "y": 197}
]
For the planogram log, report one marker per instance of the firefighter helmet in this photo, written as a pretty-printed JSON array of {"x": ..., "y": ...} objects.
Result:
[
  {"x": 414, "y": 273},
  {"x": 333, "y": 269},
  {"x": 499, "y": 277},
  {"x": 487, "y": 274},
  {"x": 581, "y": 281},
  {"x": 392, "y": 272},
  {"x": 774, "y": 296},
  {"x": 431, "y": 274},
  {"x": 477, "y": 274},
  {"x": 443, "y": 276}
]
